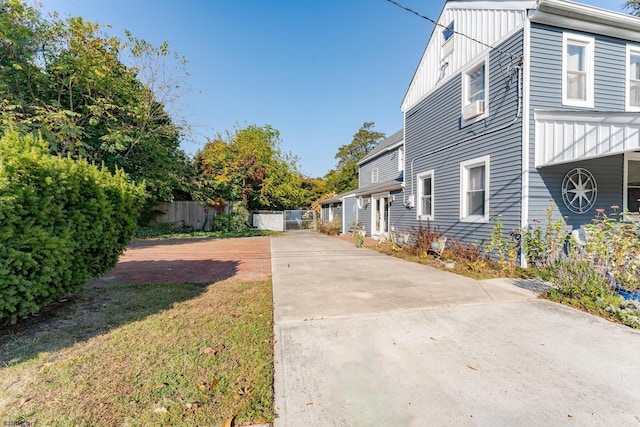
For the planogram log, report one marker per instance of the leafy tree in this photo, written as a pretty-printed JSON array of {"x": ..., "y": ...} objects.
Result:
[
  {"x": 633, "y": 6},
  {"x": 345, "y": 176},
  {"x": 64, "y": 79},
  {"x": 248, "y": 165}
]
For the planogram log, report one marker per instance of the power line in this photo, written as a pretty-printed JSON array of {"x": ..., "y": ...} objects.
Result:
[{"x": 445, "y": 27}]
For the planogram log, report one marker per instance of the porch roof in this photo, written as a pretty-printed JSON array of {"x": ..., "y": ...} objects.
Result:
[
  {"x": 379, "y": 187},
  {"x": 569, "y": 136}
]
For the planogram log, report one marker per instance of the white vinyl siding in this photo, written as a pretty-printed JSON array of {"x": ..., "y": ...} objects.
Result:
[
  {"x": 474, "y": 190},
  {"x": 633, "y": 78},
  {"x": 426, "y": 196},
  {"x": 577, "y": 70}
]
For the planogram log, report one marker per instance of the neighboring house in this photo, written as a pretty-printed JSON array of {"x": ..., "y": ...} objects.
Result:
[
  {"x": 380, "y": 181},
  {"x": 517, "y": 106}
]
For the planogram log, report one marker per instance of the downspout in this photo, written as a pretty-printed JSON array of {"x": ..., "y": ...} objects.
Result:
[{"x": 455, "y": 144}]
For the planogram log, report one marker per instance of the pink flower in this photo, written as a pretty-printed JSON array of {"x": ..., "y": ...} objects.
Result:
[{"x": 600, "y": 210}]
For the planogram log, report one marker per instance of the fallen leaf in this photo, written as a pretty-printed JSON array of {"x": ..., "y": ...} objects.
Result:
[
  {"x": 192, "y": 406},
  {"x": 433, "y": 339},
  {"x": 221, "y": 346},
  {"x": 235, "y": 316},
  {"x": 202, "y": 386},
  {"x": 229, "y": 421},
  {"x": 171, "y": 317},
  {"x": 309, "y": 403},
  {"x": 161, "y": 385},
  {"x": 213, "y": 384},
  {"x": 209, "y": 350},
  {"x": 161, "y": 410},
  {"x": 122, "y": 357},
  {"x": 570, "y": 416},
  {"x": 471, "y": 367}
]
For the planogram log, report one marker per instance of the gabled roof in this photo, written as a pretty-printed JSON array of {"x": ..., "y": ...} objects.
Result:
[
  {"x": 338, "y": 198},
  {"x": 384, "y": 145},
  {"x": 477, "y": 25}
]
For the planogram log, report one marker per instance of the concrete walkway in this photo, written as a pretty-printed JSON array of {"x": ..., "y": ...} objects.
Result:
[{"x": 364, "y": 339}]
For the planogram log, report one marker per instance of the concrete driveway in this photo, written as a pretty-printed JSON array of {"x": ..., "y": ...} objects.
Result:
[{"x": 364, "y": 339}]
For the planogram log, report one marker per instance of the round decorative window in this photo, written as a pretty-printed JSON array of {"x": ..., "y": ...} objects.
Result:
[
  {"x": 360, "y": 202},
  {"x": 579, "y": 190}
]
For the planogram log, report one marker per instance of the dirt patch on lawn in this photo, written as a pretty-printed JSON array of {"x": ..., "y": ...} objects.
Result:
[{"x": 192, "y": 260}]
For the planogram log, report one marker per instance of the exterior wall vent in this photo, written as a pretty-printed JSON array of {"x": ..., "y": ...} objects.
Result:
[{"x": 473, "y": 110}]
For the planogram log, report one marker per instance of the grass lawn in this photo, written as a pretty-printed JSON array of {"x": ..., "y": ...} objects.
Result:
[{"x": 181, "y": 354}]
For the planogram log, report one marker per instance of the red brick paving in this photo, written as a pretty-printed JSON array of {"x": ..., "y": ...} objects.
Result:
[{"x": 192, "y": 260}]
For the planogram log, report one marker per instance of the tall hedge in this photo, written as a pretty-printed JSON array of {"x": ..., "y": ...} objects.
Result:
[{"x": 62, "y": 222}]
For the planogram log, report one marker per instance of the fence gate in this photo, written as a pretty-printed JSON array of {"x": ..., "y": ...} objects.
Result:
[{"x": 299, "y": 220}]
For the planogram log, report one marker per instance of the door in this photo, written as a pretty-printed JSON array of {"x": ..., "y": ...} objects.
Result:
[{"x": 380, "y": 215}]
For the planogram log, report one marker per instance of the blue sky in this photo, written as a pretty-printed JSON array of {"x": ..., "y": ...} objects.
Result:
[{"x": 316, "y": 70}]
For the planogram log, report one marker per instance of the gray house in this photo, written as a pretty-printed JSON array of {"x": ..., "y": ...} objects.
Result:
[
  {"x": 518, "y": 106},
  {"x": 515, "y": 107}
]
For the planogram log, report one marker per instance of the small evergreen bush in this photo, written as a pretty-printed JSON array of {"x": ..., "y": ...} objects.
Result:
[{"x": 62, "y": 222}]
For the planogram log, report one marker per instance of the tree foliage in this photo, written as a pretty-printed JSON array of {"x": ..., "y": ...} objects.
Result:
[
  {"x": 248, "y": 165},
  {"x": 65, "y": 79},
  {"x": 633, "y": 6},
  {"x": 345, "y": 176}
]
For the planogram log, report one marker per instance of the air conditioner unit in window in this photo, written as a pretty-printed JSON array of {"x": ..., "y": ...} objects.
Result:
[{"x": 472, "y": 110}]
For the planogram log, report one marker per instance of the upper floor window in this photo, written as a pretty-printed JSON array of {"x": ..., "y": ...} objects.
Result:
[
  {"x": 401, "y": 158},
  {"x": 633, "y": 78},
  {"x": 577, "y": 70},
  {"x": 425, "y": 194},
  {"x": 374, "y": 175},
  {"x": 474, "y": 92},
  {"x": 474, "y": 190},
  {"x": 447, "y": 40}
]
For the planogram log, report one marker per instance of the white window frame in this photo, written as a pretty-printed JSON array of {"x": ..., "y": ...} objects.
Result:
[
  {"x": 589, "y": 44},
  {"x": 631, "y": 50},
  {"x": 420, "y": 177},
  {"x": 401, "y": 158},
  {"x": 625, "y": 198},
  {"x": 447, "y": 42},
  {"x": 465, "y": 90},
  {"x": 464, "y": 180},
  {"x": 374, "y": 175}
]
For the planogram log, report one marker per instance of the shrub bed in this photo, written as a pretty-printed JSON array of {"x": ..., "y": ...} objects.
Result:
[{"x": 62, "y": 222}]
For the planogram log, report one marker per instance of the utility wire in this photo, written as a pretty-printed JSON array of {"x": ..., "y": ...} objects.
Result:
[{"x": 453, "y": 31}]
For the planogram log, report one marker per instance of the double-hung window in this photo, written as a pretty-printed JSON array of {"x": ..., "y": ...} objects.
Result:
[
  {"x": 425, "y": 195},
  {"x": 633, "y": 78},
  {"x": 374, "y": 175},
  {"x": 474, "y": 190},
  {"x": 475, "y": 92},
  {"x": 577, "y": 70}
]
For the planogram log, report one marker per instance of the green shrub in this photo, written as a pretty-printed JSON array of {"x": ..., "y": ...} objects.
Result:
[
  {"x": 332, "y": 228},
  {"x": 229, "y": 222},
  {"x": 62, "y": 222}
]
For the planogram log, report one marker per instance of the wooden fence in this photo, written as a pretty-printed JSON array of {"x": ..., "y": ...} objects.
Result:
[{"x": 188, "y": 213}]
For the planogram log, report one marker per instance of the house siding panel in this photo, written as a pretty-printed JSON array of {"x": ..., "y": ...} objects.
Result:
[
  {"x": 387, "y": 164},
  {"x": 350, "y": 206},
  {"x": 434, "y": 123},
  {"x": 546, "y": 94}
]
